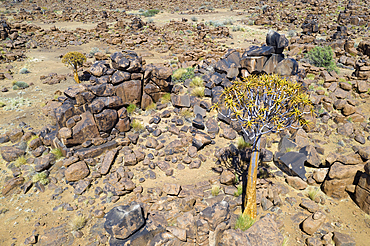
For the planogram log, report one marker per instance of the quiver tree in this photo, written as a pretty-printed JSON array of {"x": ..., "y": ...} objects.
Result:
[
  {"x": 262, "y": 104},
  {"x": 74, "y": 59}
]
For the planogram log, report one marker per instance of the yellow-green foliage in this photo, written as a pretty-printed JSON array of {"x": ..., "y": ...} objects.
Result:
[
  {"x": 78, "y": 222},
  {"x": 131, "y": 108},
  {"x": 310, "y": 76},
  {"x": 151, "y": 106},
  {"x": 196, "y": 82},
  {"x": 248, "y": 100},
  {"x": 179, "y": 73},
  {"x": 186, "y": 114},
  {"x": 312, "y": 193},
  {"x": 74, "y": 59},
  {"x": 41, "y": 177},
  {"x": 32, "y": 138},
  {"x": 239, "y": 191},
  {"x": 137, "y": 126},
  {"x": 57, "y": 153},
  {"x": 166, "y": 98},
  {"x": 215, "y": 190},
  {"x": 198, "y": 91},
  {"x": 242, "y": 144},
  {"x": 244, "y": 222},
  {"x": 20, "y": 161}
]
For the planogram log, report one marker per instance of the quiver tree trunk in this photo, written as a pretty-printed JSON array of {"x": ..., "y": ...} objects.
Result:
[
  {"x": 75, "y": 74},
  {"x": 250, "y": 202}
]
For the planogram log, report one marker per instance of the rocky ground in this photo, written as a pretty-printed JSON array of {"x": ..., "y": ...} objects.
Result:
[{"x": 134, "y": 155}]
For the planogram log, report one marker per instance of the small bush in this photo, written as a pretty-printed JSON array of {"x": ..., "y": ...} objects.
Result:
[
  {"x": 40, "y": 177},
  {"x": 237, "y": 29},
  {"x": 57, "y": 153},
  {"x": 227, "y": 22},
  {"x": 150, "y": 12},
  {"x": 242, "y": 144},
  {"x": 322, "y": 57},
  {"x": 166, "y": 98},
  {"x": 239, "y": 191},
  {"x": 195, "y": 19},
  {"x": 151, "y": 106},
  {"x": 2, "y": 104},
  {"x": 78, "y": 223},
  {"x": 186, "y": 114},
  {"x": 244, "y": 222},
  {"x": 310, "y": 76},
  {"x": 197, "y": 81},
  {"x": 198, "y": 91},
  {"x": 292, "y": 33},
  {"x": 182, "y": 74},
  {"x": 215, "y": 190},
  {"x": 94, "y": 50},
  {"x": 24, "y": 71},
  {"x": 20, "y": 161},
  {"x": 137, "y": 126},
  {"x": 312, "y": 193},
  {"x": 20, "y": 85},
  {"x": 131, "y": 108}
]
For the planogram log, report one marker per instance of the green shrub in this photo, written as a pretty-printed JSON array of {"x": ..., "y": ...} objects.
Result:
[
  {"x": 322, "y": 57},
  {"x": 215, "y": 190},
  {"x": 131, "y": 108},
  {"x": 42, "y": 177},
  {"x": 78, "y": 223},
  {"x": 197, "y": 81},
  {"x": 150, "y": 12},
  {"x": 239, "y": 191},
  {"x": 19, "y": 85},
  {"x": 137, "y": 126},
  {"x": 182, "y": 74},
  {"x": 166, "y": 98},
  {"x": 312, "y": 193},
  {"x": 244, "y": 222},
  {"x": 242, "y": 144},
  {"x": 2, "y": 104},
  {"x": 198, "y": 91},
  {"x": 57, "y": 153},
  {"x": 151, "y": 106},
  {"x": 20, "y": 161}
]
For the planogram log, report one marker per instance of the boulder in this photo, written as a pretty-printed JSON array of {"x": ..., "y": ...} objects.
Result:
[
  {"x": 106, "y": 120},
  {"x": 123, "y": 221},
  {"x": 76, "y": 171},
  {"x": 10, "y": 153}
]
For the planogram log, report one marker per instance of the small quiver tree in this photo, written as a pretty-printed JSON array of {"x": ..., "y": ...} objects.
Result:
[
  {"x": 262, "y": 104},
  {"x": 74, "y": 59}
]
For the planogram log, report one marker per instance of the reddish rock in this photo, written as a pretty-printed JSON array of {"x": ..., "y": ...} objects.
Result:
[
  {"x": 77, "y": 171},
  {"x": 11, "y": 184}
]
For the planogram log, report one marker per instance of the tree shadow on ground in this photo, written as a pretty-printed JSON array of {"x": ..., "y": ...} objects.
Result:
[{"x": 237, "y": 161}]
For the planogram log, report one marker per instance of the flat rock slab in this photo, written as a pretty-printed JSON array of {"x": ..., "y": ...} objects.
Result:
[
  {"x": 95, "y": 151},
  {"x": 292, "y": 163}
]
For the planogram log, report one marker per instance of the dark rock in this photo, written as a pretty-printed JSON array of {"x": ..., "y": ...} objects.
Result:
[
  {"x": 311, "y": 154},
  {"x": 130, "y": 92},
  {"x": 198, "y": 122},
  {"x": 292, "y": 163},
  {"x": 122, "y": 221},
  {"x": 106, "y": 120}
]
